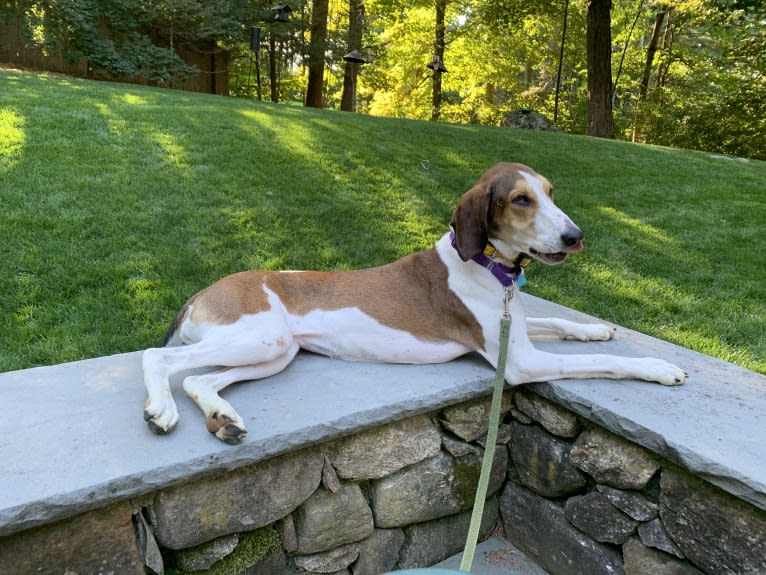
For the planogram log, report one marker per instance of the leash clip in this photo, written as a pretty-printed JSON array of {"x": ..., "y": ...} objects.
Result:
[{"x": 507, "y": 302}]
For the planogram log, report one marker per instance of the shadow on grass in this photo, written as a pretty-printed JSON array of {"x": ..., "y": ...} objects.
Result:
[{"x": 123, "y": 201}]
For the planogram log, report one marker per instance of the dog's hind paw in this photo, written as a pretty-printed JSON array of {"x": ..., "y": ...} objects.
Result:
[
  {"x": 230, "y": 430},
  {"x": 161, "y": 420}
]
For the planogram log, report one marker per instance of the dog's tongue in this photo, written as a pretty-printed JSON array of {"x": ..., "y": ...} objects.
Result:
[{"x": 578, "y": 247}]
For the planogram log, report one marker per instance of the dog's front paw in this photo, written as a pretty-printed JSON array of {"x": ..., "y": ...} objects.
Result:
[
  {"x": 664, "y": 372},
  {"x": 229, "y": 428},
  {"x": 161, "y": 417}
]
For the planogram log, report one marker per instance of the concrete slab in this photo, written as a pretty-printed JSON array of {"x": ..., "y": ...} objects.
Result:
[{"x": 73, "y": 437}]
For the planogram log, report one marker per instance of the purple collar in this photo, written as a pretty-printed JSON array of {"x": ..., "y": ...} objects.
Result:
[{"x": 506, "y": 275}]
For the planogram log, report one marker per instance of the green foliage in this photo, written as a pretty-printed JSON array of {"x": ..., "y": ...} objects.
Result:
[
  {"x": 253, "y": 547},
  {"x": 130, "y": 38},
  {"x": 120, "y": 201}
]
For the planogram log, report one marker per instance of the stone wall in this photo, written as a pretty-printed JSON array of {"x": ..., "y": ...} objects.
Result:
[{"x": 573, "y": 496}]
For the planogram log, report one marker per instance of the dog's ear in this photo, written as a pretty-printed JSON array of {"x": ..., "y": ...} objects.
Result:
[{"x": 470, "y": 220}]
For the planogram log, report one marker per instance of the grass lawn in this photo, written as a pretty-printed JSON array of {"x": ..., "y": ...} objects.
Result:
[{"x": 119, "y": 202}]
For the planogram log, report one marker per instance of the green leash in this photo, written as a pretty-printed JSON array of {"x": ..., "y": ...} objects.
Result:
[{"x": 489, "y": 450}]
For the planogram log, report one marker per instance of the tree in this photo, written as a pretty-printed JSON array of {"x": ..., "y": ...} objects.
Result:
[
  {"x": 317, "y": 47},
  {"x": 439, "y": 34},
  {"x": 351, "y": 69},
  {"x": 599, "y": 52}
]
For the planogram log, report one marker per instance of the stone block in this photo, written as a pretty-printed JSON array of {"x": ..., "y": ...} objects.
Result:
[
  {"x": 631, "y": 503},
  {"x": 330, "y": 561},
  {"x": 98, "y": 541},
  {"x": 205, "y": 555},
  {"x": 379, "y": 553},
  {"x": 613, "y": 460},
  {"x": 381, "y": 451},
  {"x": 716, "y": 531},
  {"x": 539, "y": 528},
  {"x": 552, "y": 417},
  {"x": 239, "y": 500},
  {"x": 437, "y": 487},
  {"x": 595, "y": 515},
  {"x": 428, "y": 543},
  {"x": 653, "y": 534},
  {"x": 542, "y": 462},
  {"x": 328, "y": 520},
  {"x": 470, "y": 420},
  {"x": 641, "y": 560}
]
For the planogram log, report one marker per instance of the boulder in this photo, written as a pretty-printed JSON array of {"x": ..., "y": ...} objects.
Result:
[
  {"x": 241, "y": 500},
  {"x": 613, "y": 460},
  {"x": 328, "y": 520},
  {"x": 539, "y": 528},
  {"x": 594, "y": 514},
  {"x": 542, "y": 462},
  {"x": 716, "y": 531},
  {"x": 381, "y": 451}
]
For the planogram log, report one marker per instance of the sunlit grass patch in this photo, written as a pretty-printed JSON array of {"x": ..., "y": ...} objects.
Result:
[{"x": 120, "y": 201}]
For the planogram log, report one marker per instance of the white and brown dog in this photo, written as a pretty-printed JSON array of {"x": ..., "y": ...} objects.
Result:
[{"x": 427, "y": 307}]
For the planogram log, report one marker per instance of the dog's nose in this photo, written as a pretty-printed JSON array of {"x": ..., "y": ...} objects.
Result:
[{"x": 571, "y": 237}]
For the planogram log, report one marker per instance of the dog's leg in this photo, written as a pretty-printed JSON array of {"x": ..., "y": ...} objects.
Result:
[
  {"x": 564, "y": 329},
  {"x": 527, "y": 364},
  {"x": 220, "y": 417},
  {"x": 229, "y": 346},
  {"x": 160, "y": 411}
]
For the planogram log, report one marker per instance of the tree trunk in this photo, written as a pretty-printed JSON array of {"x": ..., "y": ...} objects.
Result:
[
  {"x": 315, "y": 88},
  {"x": 436, "y": 92},
  {"x": 355, "y": 13},
  {"x": 599, "y": 54},
  {"x": 651, "y": 50},
  {"x": 273, "y": 80}
]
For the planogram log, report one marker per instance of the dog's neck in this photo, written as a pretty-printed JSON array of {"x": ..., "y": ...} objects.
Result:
[{"x": 507, "y": 272}]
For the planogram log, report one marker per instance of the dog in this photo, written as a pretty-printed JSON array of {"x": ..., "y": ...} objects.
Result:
[{"x": 427, "y": 307}]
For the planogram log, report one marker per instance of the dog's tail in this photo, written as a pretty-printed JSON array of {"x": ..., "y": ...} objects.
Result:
[{"x": 172, "y": 337}]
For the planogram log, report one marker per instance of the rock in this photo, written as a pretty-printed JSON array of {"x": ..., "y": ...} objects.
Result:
[
  {"x": 542, "y": 462},
  {"x": 327, "y": 520},
  {"x": 379, "y": 552},
  {"x": 240, "y": 500},
  {"x": 99, "y": 541},
  {"x": 595, "y": 515},
  {"x": 458, "y": 448},
  {"x": 555, "y": 419},
  {"x": 203, "y": 556},
  {"x": 329, "y": 561},
  {"x": 436, "y": 487},
  {"x": 433, "y": 541},
  {"x": 286, "y": 529},
  {"x": 257, "y": 553},
  {"x": 330, "y": 479},
  {"x": 528, "y": 119},
  {"x": 631, "y": 503},
  {"x": 381, "y": 451},
  {"x": 469, "y": 420},
  {"x": 716, "y": 531},
  {"x": 504, "y": 432},
  {"x": 653, "y": 534},
  {"x": 539, "y": 528},
  {"x": 641, "y": 560},
  {"x": 613, "y": 460}
]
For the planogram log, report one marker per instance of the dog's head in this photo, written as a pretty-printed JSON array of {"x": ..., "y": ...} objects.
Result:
[{"x": 512, "y": 207}]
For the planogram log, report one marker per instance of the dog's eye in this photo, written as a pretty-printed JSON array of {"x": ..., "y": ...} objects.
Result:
[{"x": 522, "y": 201}]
